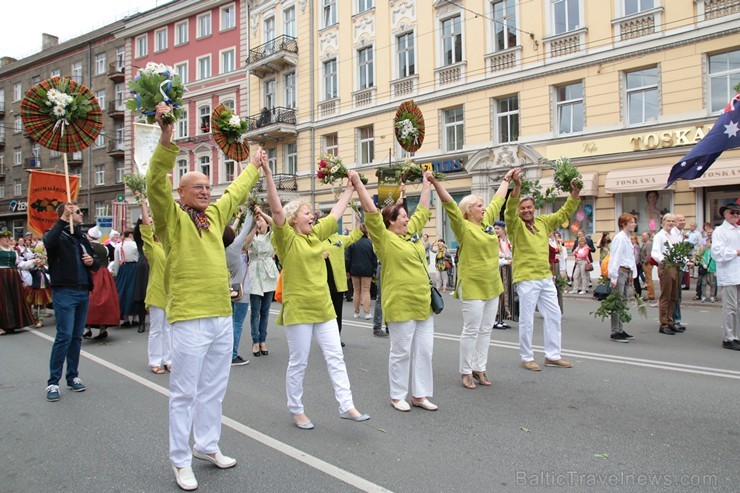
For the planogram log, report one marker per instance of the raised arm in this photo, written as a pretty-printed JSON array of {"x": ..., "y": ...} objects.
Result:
[
  {"x": 365, "y": 199},
  {"x": 426, "y": 190},
  {"x": 338, "y": 210},
  {"x": 146, "y": 220},
  {"x": 444, "y": 195},
  {"x": 278, "y": 216},
  {"x": 504, "y": 187}
]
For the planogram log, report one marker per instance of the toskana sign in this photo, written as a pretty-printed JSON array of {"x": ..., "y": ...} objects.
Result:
[{"x": 669, "y": 138}]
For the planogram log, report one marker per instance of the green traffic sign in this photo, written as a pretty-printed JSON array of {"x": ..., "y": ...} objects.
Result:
[{"x": 120, "y": 197}]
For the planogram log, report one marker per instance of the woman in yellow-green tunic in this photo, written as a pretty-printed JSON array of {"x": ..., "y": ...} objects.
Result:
[
  {"x": 404, "y": 281},
  {"x": 478, "y": 279},
  {"x": 307, "y": 309}
]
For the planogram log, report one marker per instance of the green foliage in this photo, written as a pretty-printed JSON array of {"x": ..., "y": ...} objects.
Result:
[
  {"x": 136, "y": 183},
  {"x": 147, "y": 93},
  {"x": 407, "y": 128},
  {"x": 561, "y": 282},
  {"x": 565, "y": 173},
  {"x": 677, "y": 255},
  {"x": 231, "y": 126},
  {"x": 617, "y": 304},
  {"x": 533, "y": 189},
  {"x": 411, "y": 172}
]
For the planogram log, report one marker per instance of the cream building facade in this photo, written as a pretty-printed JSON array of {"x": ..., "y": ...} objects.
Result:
[{"x": 623, "y": 88}]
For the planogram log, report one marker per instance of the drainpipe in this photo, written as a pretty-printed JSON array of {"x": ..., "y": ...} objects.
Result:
[
  {"x": 90, "y": 206},
  {"x": 313, "y": 105}
]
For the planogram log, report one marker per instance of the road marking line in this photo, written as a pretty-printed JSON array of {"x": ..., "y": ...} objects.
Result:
[{"x": 285, "y": 449}]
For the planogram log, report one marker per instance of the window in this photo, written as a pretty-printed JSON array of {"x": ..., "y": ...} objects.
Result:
[
  {"x": 453, "y": 128},
  {"x": 120, "y": 58},
  {"x": 289, "y": 27},
  {"x": 119, "y": 135},
  {"x": 160, "y": 40},
  {"x": 55, "y": 73},
  {"x": 451, "y": 40},
  {"x": 290, "y": 94},
  {"x": 182, "y": 168},
  {"x": 120, "y": 90},
  {"x": 100, "y": 140},
  {"x": 204, "y": 25},
  {"x": 205, "y": 119},
  {"x": 268, "y": 31},
  {"x": 100, "y": 64},
  {"x": 17, "y": 188},
  {"x": 272, "y": 159},
  {"x": 17, "y": 156},
  {"x": 17, "y": 92},
  {"x": 724, "y": 75},
  {"x": 35, "y": 80},
  {"x": 228, "y": 17},
  {"x": 205, "y": 166},
  {"x": 100, "y": 174},
  {"x": 100, "y": 96},
  {"x": 569, "y": 106},
  {"x": 182, "y": 71},
  {"x": 230, "y": 170},
  {"x": 228, "y": 61},
  {"x": 635, "y": 6},
  {"x": 329, "y": 13},
  {"x": 330, "y": 79},
  {"x": 229, "y": 103},
  {"x": 331, "y": 144},
  {"x": 366, "y": 144},
  {"x": 101, "y": 209},
  {"x": 204, "y": 67},
  {"x": 77, "y": 72},
  {"x": 290, "y": 155},
  {"x": 365, "y": 65},
  {"x": 120, "y": 171},
  {"x": 182, "y": 126},
  {"x": 507, "y": 119},
  {"x": 363, "y": 5},
  {"x": 142, "y": 46},
  {"x": 406, "y": 55},
  {"x": 181, "y": 33},
  {"x": 270, "y": 94},
  {"x": 18, "y": 124},
  {"x": 642, "y": 96},
  {"x": 566, "y": 15},
  {"x": 2, "y": 192},
  {"x": 504, "y": 24}
]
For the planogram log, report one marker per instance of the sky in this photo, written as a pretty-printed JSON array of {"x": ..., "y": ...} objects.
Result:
[{"x": 20, "y": 35}]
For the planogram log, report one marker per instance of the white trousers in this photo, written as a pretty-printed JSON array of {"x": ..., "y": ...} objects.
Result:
[
  {"x": 299, "y": 346},
  {"x": 201, "y": 361},
  {"x": 412, "y": 344},
  {"x": 542, "y": 294},
  {"x": 731, "y": 312},
  {"x": 478, "y": 318},
  {"x": 160, "y": 338}
]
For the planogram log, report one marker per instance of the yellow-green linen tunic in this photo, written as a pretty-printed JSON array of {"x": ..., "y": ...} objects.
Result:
[
  {"x": 478, "y": 271},
  {"x": 404, "y": 278},
  {"x": 196, "y": 278},
  {"x": 306, "y": 297},
  {"x": 531, "y": 252},
  {"x": 339, "y": 244},
  {"x": 155, "y": 294}
]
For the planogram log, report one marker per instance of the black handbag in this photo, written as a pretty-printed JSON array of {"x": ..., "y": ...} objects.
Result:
[{"x": 438, "y": 303}]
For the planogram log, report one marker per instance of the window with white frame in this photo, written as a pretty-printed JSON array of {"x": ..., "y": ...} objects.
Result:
[
  {"x": 17, "y": 188},
  {"x": 100, "y": 96},
  {"x": 76, "y": 72},
  {"x": 17, "y": 92},
  {"x": 229, "y": 103},
  {"x": 363, "y": 5},
  {"x": 229, "y": 170},
  {"x": 566, "y": 15},
  {"x": 100, "y": 64},
  {"x": 18, "y": 124},
  {"x": 55, "y": 73},
  {"x": 289, "y": 26},
  {"x": 142, "y": 46},
  {"x": 507, "y": 119},
  {"x": 724, "y": 75},
  {"x": 182, "y": 71},
  {"x": 54, "y": 153},
  {"x": 272, "y": 159},
  {"x": 204, "y": 163},
  {"x": 228, "y": 17},
  {"x": 330, "y": 143},
  {"x": 329, "y": 13},
  {"x": 100, "y": 140},
  {"x": 182, "y": 125},
  {"x": 270, "y": 96},
  {"x": 99, "y": 174},
  {"x": 2, "y": 191},
  {"x": 452, "y": 40},
  {"x": 366, "y": 144},
  {"x": 290, "y": 158},
  {"x": 636, "y": 6},
  {"x": 406, "y": 55},
  {"x": 35, "y": 80},
  {"x": 118, "y": 129},
  {"x": 569, "y": 108},
  {"x": 182, "y": 168},
  {"x": 330, "y": 79},
  {"x": 100, "y": 208},
  {"x": 120, "y": 170},
  {"x": 204, "y": 112},
  {"x": 504, "y": 24},
  {"x": 181, "y": 33},
  {"x": 642, "y": 96},
  {"x": 204, "y": 25},
  {"x": 290, "y": 90},
  {"x": 268, "y": 29},
  {"x": 160, "y": 39},
  {"x": 453, "y": 129},
  {"x": 2, "y": 138},
  {"x": 366, "y": 77},
  {"x": 228, "y": 61},
  {"x": 204, "y": 67},
  {"x": 17, "y": 156},
  {"x": 120, "y": 91},
  {"x": 120, "y": 57}
]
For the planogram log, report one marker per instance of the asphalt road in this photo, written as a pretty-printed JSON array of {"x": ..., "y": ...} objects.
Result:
[{"x": 657, "y": 414}]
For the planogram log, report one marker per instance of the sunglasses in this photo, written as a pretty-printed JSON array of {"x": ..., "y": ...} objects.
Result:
[
  {"x": 78, "y": 211},
  {"x": 734, "y": 213}
]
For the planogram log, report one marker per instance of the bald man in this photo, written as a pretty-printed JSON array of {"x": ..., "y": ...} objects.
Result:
[{"x": 198, "y": 302}]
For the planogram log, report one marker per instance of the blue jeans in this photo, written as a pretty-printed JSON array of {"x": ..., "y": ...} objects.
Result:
[
  {"x": 260, "y": 315},
  {"x": 70, "y": 310},
  {"x": 238, "y": 314}
]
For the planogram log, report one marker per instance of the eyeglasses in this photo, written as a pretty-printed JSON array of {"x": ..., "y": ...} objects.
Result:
[{"x": 200, "y": 188}]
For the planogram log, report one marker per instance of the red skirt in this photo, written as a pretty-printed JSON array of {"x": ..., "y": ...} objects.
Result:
[
  {"x": 38, "y": 296},
  {"x": 104, "y": 308},
  {"x": 15, "y": 313}
]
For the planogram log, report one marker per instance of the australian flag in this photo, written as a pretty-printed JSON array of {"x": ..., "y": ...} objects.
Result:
[{"x": 725, "y": 134}]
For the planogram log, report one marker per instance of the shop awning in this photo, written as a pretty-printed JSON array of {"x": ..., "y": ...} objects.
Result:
[
  {"x": 722, "y": 172},
  {"x": 590, "y": 184},
  {"x": 637, "y": 179}
]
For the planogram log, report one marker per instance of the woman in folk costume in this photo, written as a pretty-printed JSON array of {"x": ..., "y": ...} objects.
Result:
[
  {"x": 125, "y": 267},
  {"x": 38, "y": 294},
  {"x": 15, "y": 312},
  {"x": 104, "y": 308},
  {"x": 142, "y": 278}
]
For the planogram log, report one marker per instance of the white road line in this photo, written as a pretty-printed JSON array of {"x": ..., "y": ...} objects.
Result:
[{"x": 285, "y": 449}]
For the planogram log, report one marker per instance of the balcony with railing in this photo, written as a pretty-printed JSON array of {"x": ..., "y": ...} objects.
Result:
[
  {"x": 116, "y": 109},
  {"x": 116, "y": 73},
  {"x": 2, "y": 172},
  {"x": 327, "y": 108},
  {"x": 450, "y": 74},
  {"x": 566, "y": 43},
  {"x": 31, "y": 163},
  {"x": 720, "y": 8},
  {"x": 402, "y": 88},
  {"x": 274, "y": 56},
  {"x": 503, "y": 60},
  {"x": 637, "y": 25},
  {"x": 277, "y": 123},
  {"x": 116, "y": 149},
  {"x": 75, "y": 159},
  {"x": 363, "y": 97},
  {"x": 282, "y": 182}
]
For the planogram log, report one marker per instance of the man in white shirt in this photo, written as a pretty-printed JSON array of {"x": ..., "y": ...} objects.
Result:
[
  {"x": 683, "y": 277},
  {"x": 695, "y": 238},
  {"x": 726, "y": 253},
  {"x": 622, "y": 269}
]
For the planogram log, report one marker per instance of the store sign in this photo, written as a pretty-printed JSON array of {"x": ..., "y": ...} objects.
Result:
[
  {"x": 445, "y": 166},
  {"x": 672, "y": 138},
  {"x": 18, "y": 206}
]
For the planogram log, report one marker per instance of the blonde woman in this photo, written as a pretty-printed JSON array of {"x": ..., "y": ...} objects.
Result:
[
  {"x": 478, "y": 282},
  {"x": 667, "y": 275},
  {"x": 307, "y": 310}
]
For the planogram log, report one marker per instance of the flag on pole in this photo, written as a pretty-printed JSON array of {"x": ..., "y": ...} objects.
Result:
[
  {"x": 722, "y": 136},
  {"x": 45, "y": 192},
  {"x": 146, "y": 138}
]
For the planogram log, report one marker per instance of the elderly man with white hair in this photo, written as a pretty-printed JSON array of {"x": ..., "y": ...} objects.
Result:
[{"x": 726, "y": 254}]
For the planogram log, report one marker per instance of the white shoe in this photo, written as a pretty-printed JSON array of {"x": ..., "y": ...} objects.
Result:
[
  {"x": 355, "y": 315},
  {"x": 185, "y": 478},
  {"x": 368, "y": 316},
  {"x": 401, "y": 405},
  {"x": 220, "y": 460}
]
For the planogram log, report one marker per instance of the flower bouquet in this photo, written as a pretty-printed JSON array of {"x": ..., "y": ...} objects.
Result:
[
  {"x": 411, "y": 172},
  {"x": 157, "y": 83},
  {"x": 409, "y": 126},
  {"x": 331, "y": 169},
  {"x": 229, "y": 131},
  {"x": 136, "y": 183},
  {"x": 565, "y": 173},
  {"x": 533, "y": 189}
]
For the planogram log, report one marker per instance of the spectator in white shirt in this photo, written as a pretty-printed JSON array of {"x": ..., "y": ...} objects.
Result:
[
  {"x": 622, "y": 269},
  {"x": 667, "y": 275},
  {"x": 726, "y": 253}
]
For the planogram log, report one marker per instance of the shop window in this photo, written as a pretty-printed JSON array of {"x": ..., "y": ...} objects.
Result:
[
  {"x": 648, "y": 207},
  {"x": 581, "y": 220}
]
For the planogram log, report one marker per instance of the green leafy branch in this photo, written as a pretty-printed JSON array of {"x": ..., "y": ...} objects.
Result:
[{"x": 677, "y": 255}]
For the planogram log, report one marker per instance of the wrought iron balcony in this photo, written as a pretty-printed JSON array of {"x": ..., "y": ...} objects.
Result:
[
  {"x": 116, "y": 72},
  {"x": 116, "y": 109},
  {"x": 282, "y": 182},
  {"x": 31, "y": 162},
  {"x": 274, "y": 56},
  {"x": 277, "y": 123},
  {"x": 115, "y": 149},
  {"x": 75, "y": 159}
]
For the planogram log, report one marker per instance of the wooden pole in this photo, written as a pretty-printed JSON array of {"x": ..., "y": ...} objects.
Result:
[{"x": 69, "y": 193}]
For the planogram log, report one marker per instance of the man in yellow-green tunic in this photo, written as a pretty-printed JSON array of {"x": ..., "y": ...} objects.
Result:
[
  {"x": 532, "y": 275},
  {"x": 198, "y": 304}
]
